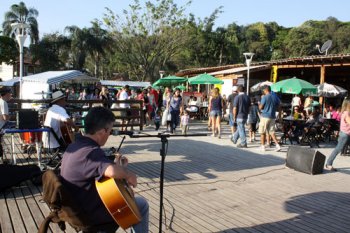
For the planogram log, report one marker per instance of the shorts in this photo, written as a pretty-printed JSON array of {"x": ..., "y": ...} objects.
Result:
[
  {"x": 252, "y": 127},
  {"x": 266, "y": 125},
  {"x": 231, "y": 121},
  {"x": 215, "y": 113}
]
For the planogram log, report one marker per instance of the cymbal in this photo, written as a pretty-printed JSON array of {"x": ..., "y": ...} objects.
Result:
[{"x": 43, "y": 93}]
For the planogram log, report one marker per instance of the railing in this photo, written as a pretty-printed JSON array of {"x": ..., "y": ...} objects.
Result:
[{"x": 77, "y": 107}]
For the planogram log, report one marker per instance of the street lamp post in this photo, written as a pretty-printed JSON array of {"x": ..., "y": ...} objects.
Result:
[
  {"x": 20, "y": 30},
  {"x": 161, "y": 73},
  {"x": 248, "y": 59}
]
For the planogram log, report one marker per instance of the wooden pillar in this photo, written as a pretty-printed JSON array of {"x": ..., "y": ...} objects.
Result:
[{"x": 322, "y": 78}]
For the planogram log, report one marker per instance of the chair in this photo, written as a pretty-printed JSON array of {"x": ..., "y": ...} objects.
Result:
[
  {"x": 56, "y": 153},
  {"x": 64, "y": 208}
]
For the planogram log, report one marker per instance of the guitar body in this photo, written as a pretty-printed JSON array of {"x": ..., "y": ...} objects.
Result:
[
  {"x": 119, "y": 202},
  {"x": 67, "y": 134}
]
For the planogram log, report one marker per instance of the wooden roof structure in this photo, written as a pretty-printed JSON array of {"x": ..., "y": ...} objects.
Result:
[{"x": 332, "y": 68}]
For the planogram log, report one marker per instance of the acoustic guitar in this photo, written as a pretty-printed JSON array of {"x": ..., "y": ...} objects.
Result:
[
  {"x": 119, "y": 201},
  {"x": 67, "y": 133}
]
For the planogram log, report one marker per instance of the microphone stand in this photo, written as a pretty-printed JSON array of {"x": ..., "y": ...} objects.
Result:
[{"x": 164, "y": 140}]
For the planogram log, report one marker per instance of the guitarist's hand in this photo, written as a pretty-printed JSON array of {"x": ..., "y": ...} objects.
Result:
[
  {"x": 131, "y": 179},
  {"x": 121, "y": 160}
]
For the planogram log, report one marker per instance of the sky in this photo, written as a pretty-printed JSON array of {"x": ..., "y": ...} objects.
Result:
[{"x": 55, "y": 15}]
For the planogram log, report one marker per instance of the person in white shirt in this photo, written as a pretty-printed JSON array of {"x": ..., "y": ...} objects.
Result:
[
  {"x": 55, "y": 117},
  {"x": 296, "y": 101},
  {"x": 124, "y": 95},
  {"x": 6, "y": 95},
  {"x": 4, "y": 109}
]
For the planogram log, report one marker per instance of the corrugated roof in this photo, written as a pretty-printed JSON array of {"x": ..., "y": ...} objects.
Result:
[
  {"x": 239, "y": 69},
  {"x": 342, "y": 59},
  {"x": 54, "y": 77}
]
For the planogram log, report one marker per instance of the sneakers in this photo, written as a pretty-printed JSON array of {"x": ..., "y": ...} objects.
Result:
[
  {"x": 242, "y": 146},
  {"x": 233, "y": 141},
  {"x": 219, "y": 136},
  {"x": 263, "y": 148},
  {"x": 213, "y": 135},
  {"x": 278, "y": 147}
]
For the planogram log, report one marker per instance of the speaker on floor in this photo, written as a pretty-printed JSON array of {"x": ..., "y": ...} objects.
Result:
[
  {"x": 27, "y": 119},
  {"x": 305, "y": 160}
]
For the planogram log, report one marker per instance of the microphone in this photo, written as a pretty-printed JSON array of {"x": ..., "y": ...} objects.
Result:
[{"x": 117, "y": 132}]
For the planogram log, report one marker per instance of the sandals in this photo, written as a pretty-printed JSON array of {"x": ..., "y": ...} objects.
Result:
[{"x": 331, "y": 168}]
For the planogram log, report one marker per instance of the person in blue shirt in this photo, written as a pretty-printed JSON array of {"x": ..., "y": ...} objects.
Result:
[{"x": 268, "y": 106}]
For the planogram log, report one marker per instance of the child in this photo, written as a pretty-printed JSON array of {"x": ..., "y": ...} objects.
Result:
[
  {"x": 184, "y": 122},
  {"x": 157, "y": 118},
  {"x": 168, "y": 121},
  {"x": 253, "y": 117}
]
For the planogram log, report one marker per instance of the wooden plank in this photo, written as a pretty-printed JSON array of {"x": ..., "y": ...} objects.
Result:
[
  {"x": 14, "y": 212},
  {"x": 5, "y": 219},
  {"x": 27, "y": 219}
]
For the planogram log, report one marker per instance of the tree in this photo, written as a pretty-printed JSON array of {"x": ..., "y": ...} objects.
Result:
[
  {"x": 78, "y": 38},
  {"x": 19, "y": 13},
  {"x": 51, "y": 51},
  {"x": 97, "y": 41},
  {"x": 148, "y": 38},
  {"x": 8, "y": 50}
]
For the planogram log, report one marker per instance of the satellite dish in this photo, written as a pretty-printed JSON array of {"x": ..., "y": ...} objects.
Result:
[{"x": 324, "y": 49}]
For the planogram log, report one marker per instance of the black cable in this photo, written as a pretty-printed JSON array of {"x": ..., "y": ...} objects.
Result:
[{"x": 212, "y": 182}]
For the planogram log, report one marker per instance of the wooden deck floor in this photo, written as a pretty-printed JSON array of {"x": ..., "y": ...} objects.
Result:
[{"x": 211, "y": 186}]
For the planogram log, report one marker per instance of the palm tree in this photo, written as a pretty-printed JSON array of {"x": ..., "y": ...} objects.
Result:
[
  {"x": 19, "y": 13},
  {"x": 98, "y": 41}
]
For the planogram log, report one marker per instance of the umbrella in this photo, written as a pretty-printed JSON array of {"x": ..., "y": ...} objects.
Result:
[
  {"x": 181, "y": 87},
  {"x": 204, "y": 79},
  {"x": 169, "y": 81},
  {"x": 330, "y": 90},
  {"x": 294, "y": 86},
  {"x": 259, "y": 86}
]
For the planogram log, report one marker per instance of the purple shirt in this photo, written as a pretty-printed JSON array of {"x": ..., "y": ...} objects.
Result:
[{"x": 83, "y": 163}]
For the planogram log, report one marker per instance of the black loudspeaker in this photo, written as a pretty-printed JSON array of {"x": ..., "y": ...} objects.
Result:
[
  {"x": 27, "y": 119},
  {"x": 305, "y": 160}
]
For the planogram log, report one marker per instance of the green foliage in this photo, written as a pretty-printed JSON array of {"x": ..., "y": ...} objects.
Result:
[
  {"x": 19, "y": 13},
  {"x": 51, "y": 52},
  {"x": 157, "y": 35},
  {"x": 147, "y": 37},
  {"x": 8, "y": 50}
]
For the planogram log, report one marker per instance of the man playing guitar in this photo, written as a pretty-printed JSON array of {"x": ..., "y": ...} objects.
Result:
[
  {"x": 84, "y": 162},
  {"x": 55, "y": 117}
]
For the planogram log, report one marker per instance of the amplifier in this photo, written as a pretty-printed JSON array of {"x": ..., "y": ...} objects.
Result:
[{"x": 27, "y": 119}]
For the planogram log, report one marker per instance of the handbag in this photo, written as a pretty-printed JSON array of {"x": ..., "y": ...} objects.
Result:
[
  {"x": 169, "y": 116},
  {"x": 165, "y": 117}
]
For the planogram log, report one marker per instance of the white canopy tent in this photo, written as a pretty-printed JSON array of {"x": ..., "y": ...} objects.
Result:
[
  {"x": 44, "y": 82},
  {"x": 10, "y": 83}
]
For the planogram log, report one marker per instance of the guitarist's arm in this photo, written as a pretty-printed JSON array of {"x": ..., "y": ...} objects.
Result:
[
  {"x": 120, "y": 172},
  {"x": 71, "y": 124}
]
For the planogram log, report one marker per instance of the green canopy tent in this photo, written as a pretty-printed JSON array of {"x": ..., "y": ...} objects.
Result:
[
  {"x": 204, "y": 79},
  {"x": 294, "y": 86},
  {"x": 169, "y": 81}
]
